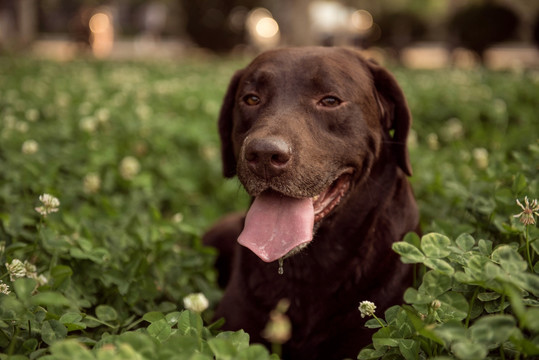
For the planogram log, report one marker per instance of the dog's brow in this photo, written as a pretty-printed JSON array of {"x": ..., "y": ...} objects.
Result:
[
  {"x": 260, "y": 78},
  {"x": 323, "y": 82}
]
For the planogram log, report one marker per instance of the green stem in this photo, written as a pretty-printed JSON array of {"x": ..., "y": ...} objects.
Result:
[
  {"x": 132, "y": 325},
  {"x": 277, "y": 349},
  {"x": 474, "y": 296},
  {"x": 101, "y": 322},
  {"x": 11, "y": 346},
  {"x": 379, "y": 322},
  {"x": 528, "y": 249}
]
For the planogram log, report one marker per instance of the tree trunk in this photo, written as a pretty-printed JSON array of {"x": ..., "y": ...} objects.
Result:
[
  {"x": 27, "y": 19},
  {"x": 294, "y": 21}
]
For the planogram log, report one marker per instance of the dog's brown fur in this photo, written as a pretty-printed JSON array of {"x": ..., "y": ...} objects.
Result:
[{"x": 350, "y": 257}]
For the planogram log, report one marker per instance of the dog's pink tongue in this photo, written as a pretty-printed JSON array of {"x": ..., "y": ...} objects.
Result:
[{"x": 276, "y": 224}]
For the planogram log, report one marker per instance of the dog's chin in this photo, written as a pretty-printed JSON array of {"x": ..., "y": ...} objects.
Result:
[{"x": 324, "y": 203}]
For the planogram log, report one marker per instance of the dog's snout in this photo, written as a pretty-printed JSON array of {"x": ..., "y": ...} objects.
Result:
[{"x": 268, "y": 157}]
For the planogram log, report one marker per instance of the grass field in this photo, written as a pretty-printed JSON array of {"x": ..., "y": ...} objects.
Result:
[{"x": 131, "y": 152}]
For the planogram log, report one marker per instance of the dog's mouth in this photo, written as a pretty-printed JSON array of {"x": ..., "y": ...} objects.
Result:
[
  {"x": 278, "y": 225},
  {"x": 329, "y": 198}
]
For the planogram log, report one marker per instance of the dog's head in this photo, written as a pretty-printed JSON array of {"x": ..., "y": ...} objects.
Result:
[{"x": 298, "y": 127}]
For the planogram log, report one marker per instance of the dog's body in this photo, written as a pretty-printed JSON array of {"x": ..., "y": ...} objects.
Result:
[{"x": 317, "y": 136}]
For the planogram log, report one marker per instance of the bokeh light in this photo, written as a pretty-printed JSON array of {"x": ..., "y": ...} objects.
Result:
[
  {"x": 267, "y": 27},
  {"x": 361, "y": 20},
  {"x": 263, "y": 29},
  {"x": 99, "y": 23},
  {"x": 101, "y": 34}
]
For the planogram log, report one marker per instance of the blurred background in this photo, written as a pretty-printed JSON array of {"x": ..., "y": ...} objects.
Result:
[
  {"x": 121, "y": 128},
  {"x": 414, "y": 33}
]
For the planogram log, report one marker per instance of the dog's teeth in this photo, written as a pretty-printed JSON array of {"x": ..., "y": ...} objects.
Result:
[{"x": 316, "y": 197}]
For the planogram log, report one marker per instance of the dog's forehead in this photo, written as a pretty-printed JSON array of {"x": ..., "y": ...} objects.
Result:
[{"x": 324, "y": 65}]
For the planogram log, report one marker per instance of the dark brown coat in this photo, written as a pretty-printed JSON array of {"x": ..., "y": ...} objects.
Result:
[{"x": 297, "y": 123}]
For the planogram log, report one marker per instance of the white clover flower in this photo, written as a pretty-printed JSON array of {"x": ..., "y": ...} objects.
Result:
[
  {"x": 88, "y": 124},
  {"x": 63, "y": 99},
  {"x": 143, "y": 111},
  {"x": 129, "y": 167},
  {"x": 177, "y": 218},
  {"x": 412, "y": 139},
  {"x": 528, "y": 211},
  {"x": 452, "y": 130},
  {"x": 31, "y": 270},
  {"x": 102, "y": 115},
  {"x": 21, "y": 127},
  {"x": 366, "y": 308},
  {"x": 278, "y": 330},
  {"x": 9, "y": 122},
  {"x": 432, "y": 141},
  {"x": 32, "y": 115},
  {"x": 16, "y": 269},
  {"x": 92, "y": 183},
  {"x": 41, "y": 280},
  {"x": 500, "y": 107},
  {"x": 480, "y": 156},
  {"x": 210, "y": 152},
  {"x": 50, "y": 204},
  {"x": 196, "y": 302},
  {"x": 4, "y": 288},
  {"x": 30, "y": 147}
]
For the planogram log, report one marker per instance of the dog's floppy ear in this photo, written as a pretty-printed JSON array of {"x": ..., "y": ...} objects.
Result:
[
  {"x": 225, "y": 124},
  {"x": 394, "y": 111}
]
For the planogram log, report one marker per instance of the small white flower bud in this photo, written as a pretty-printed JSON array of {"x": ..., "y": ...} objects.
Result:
[
  {"x": 30, "y": 147},
  {"x": 480, "y": 156},
  {"x": 129, "y": 167},
  {"x": 367, "y": 308},
  {"x": 92, "y": 183},
  {"x": 16, "y": 269},
  {"x": 196, "y": 302}
]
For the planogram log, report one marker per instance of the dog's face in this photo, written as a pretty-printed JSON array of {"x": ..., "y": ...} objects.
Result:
[{"x": 301, "y": 127}]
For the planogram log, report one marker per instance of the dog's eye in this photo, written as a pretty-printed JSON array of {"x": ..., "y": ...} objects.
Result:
[
  {"x": 330, "y": 101},
  {"x": 251, "y": 100}
]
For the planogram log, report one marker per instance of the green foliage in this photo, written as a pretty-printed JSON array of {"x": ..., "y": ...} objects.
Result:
[
  {"x": 132, "y": 153},
  {"x": 176, "y": 335},
  {"x": 485, "y": 305}
]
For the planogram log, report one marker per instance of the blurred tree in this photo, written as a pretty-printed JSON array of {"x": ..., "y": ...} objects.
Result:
[
  {"x": 400, "y": 29},
  {"x": 479, "y": 26},
  {"x": 535, "y": 33},
  {"x": 208, "y": 22},
  {"x": 294, "y": 21}
]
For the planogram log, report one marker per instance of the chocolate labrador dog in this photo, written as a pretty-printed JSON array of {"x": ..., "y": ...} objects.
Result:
[{"x": 317, "y": 136}]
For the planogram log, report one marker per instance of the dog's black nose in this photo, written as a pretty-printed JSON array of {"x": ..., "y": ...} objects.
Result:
[{"x": 268, "y": 157}]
